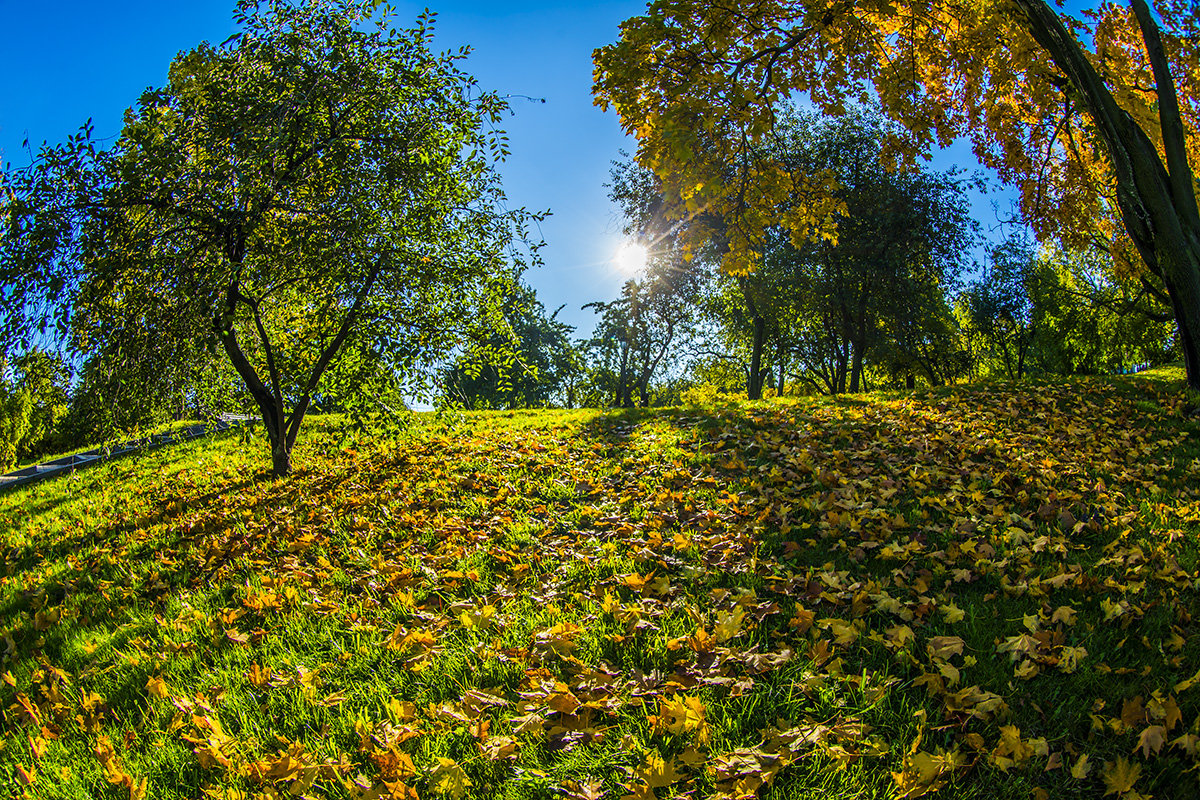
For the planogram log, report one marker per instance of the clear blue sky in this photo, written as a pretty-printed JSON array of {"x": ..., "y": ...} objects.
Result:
[{"x": 68, "y": 61}]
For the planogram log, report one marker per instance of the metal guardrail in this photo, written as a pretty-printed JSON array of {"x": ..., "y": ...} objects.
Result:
[{"x": 68, "y": 464}]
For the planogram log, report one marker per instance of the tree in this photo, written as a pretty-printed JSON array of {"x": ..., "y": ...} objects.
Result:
[
  {"x": 33, "y": 403},
  {"x": 1001, "y": 305},
  {"x": 321, "y": 184},
  {"x": 532, "y": 368},
  {"x": 639, "y": 333},
  {"x": 642, "y": 330},
  {"x": 1100, "y": 137},
  {"x": 1089, "y": 322},
  {"x": 877, "y": 293}
]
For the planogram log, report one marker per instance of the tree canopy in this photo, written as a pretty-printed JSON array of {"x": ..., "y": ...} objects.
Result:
[
  {"x": 320, "y": 185},
  {"x": 1094, "y": 118}
]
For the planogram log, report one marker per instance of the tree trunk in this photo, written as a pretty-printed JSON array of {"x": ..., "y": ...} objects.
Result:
[
  {"x": 281, "y": 459},
  {"x": 624, "y": 396},
  {"x": 1157, "y": 202},
  {"x": 910, "y": 381},
  {"x": 856, "y": 367},
  {"x": 754, "y": 389}
]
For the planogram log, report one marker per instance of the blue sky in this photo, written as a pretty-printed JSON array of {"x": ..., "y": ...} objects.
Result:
[{"x": 69, "y": 61}]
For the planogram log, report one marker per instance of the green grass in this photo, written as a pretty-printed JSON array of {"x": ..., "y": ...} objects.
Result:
[{"x": 526, "y": 605}]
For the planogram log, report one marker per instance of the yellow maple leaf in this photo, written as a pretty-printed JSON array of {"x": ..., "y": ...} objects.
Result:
[
  {"x": 802, "y": 620},
  {"x": 924, "y": 772},
  {"x": 1120, "y": 776},
  {"x": 157, "y": 686},
  {"x": 1184, "y": 685},
  {"x": 478, "y": 619},
  {"x": 402, "y": 710},
  {"x": 1081, "y": 768},
  {"x": 447, "y": 777},
  {"x": 843, "y": 632},
  {"x": 683, "y": 715},
  {"x": 657, "y": 772},
  {"x": 952, "y": 613},
  {"x": 729, "y": 624}
]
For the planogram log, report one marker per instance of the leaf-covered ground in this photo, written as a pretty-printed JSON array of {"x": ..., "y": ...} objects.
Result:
[{"x": 985, "y": 591}]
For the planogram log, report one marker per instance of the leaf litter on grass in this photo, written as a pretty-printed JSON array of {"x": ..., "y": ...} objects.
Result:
[{"x": 978, "y": 591}]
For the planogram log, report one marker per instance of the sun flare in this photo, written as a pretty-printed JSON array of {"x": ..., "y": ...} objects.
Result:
[{"x": 631, "y": 257}]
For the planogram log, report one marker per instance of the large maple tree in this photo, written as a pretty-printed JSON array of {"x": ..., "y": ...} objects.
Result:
[{"x": 1094, "y": 117}]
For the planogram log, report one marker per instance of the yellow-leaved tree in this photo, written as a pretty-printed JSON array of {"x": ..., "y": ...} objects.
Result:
[{"x": 1094, "y": 117}]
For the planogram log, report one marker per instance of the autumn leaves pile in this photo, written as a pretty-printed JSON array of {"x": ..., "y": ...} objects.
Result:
[{"x": 983, "y": 591}]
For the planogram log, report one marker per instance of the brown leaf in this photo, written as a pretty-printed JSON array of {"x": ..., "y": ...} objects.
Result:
[{"x": 1151, "y": 740}]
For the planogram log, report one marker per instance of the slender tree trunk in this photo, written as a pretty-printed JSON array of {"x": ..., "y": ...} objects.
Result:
[
  {"x": 856, "y": 367},
  {"x": 910, "y": 381},
  {"x": 754, "y": 389},
  {"x": 624, "y": 396},
  {"x": 782, "y": 372}
]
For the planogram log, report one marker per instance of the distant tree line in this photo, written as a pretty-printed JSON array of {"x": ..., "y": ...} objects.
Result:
[{"x": 896, "y": 301}]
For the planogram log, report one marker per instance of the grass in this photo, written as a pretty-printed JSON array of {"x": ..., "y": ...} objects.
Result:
[{"x": 986, "y": 591}]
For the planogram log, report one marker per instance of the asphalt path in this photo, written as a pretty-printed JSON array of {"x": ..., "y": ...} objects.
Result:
[{"x": 67, "y": 464}]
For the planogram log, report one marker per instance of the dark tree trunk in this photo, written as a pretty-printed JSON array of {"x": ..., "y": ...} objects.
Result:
[
  {"x": 856, "y": 367},
  {"x": 910, "y": 382},
  {"x": 782, "y": 373},
  {"x": 281, "y": 449},
  {"x": 1157, "y": 202},
  {"x": 754, "y": 389}
]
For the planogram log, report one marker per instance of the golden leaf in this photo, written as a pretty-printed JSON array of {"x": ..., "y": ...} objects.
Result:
[
  {"x": 1120, "y": 776},
  {"x": 157, "y": 687},
  {"x": 447, "y": 777},
  {"x": 657, "y": 773}
]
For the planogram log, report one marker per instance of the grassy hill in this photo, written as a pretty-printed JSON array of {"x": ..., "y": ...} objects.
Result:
[{"x": 987, "y": 591}]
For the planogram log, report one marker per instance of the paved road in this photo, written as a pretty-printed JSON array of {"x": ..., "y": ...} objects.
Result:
[{"x": 61, "y": 466}]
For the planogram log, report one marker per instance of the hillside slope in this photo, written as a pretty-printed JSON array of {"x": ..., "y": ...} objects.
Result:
[{"x": 987, "y": 590}]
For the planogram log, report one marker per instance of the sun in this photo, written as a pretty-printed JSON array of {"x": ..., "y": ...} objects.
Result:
[{"x": 631, "y": 257}]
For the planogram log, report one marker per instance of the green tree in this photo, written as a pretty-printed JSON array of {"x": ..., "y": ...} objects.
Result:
[
  {"x": 33, "y": 405},
  {"x": 1094, "y": 118},
  {"x": 1001, "y": 306},
  {"x": 534, "y": 368},
  {"x": 321, "y": 184},
  {"x": 1089, "y": 322},
  {"x": 877, "y": 293},
  {"x": 642, "y": 332},
  {"x": 15, "y": 408}
]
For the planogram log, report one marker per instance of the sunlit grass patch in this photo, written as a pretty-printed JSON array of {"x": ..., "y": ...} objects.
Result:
[{"x": 982, "y": 590}]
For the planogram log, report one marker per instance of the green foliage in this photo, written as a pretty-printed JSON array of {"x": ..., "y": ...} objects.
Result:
[
  {"x": 826, "y": 312},
  {"x": 33, "y": 406},
  {"x": 15, "y": 408},
  {"x": 1056, "y": 312},
  {"x": 321, "y": 184},
  {"x": 535, "y": 366}
]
